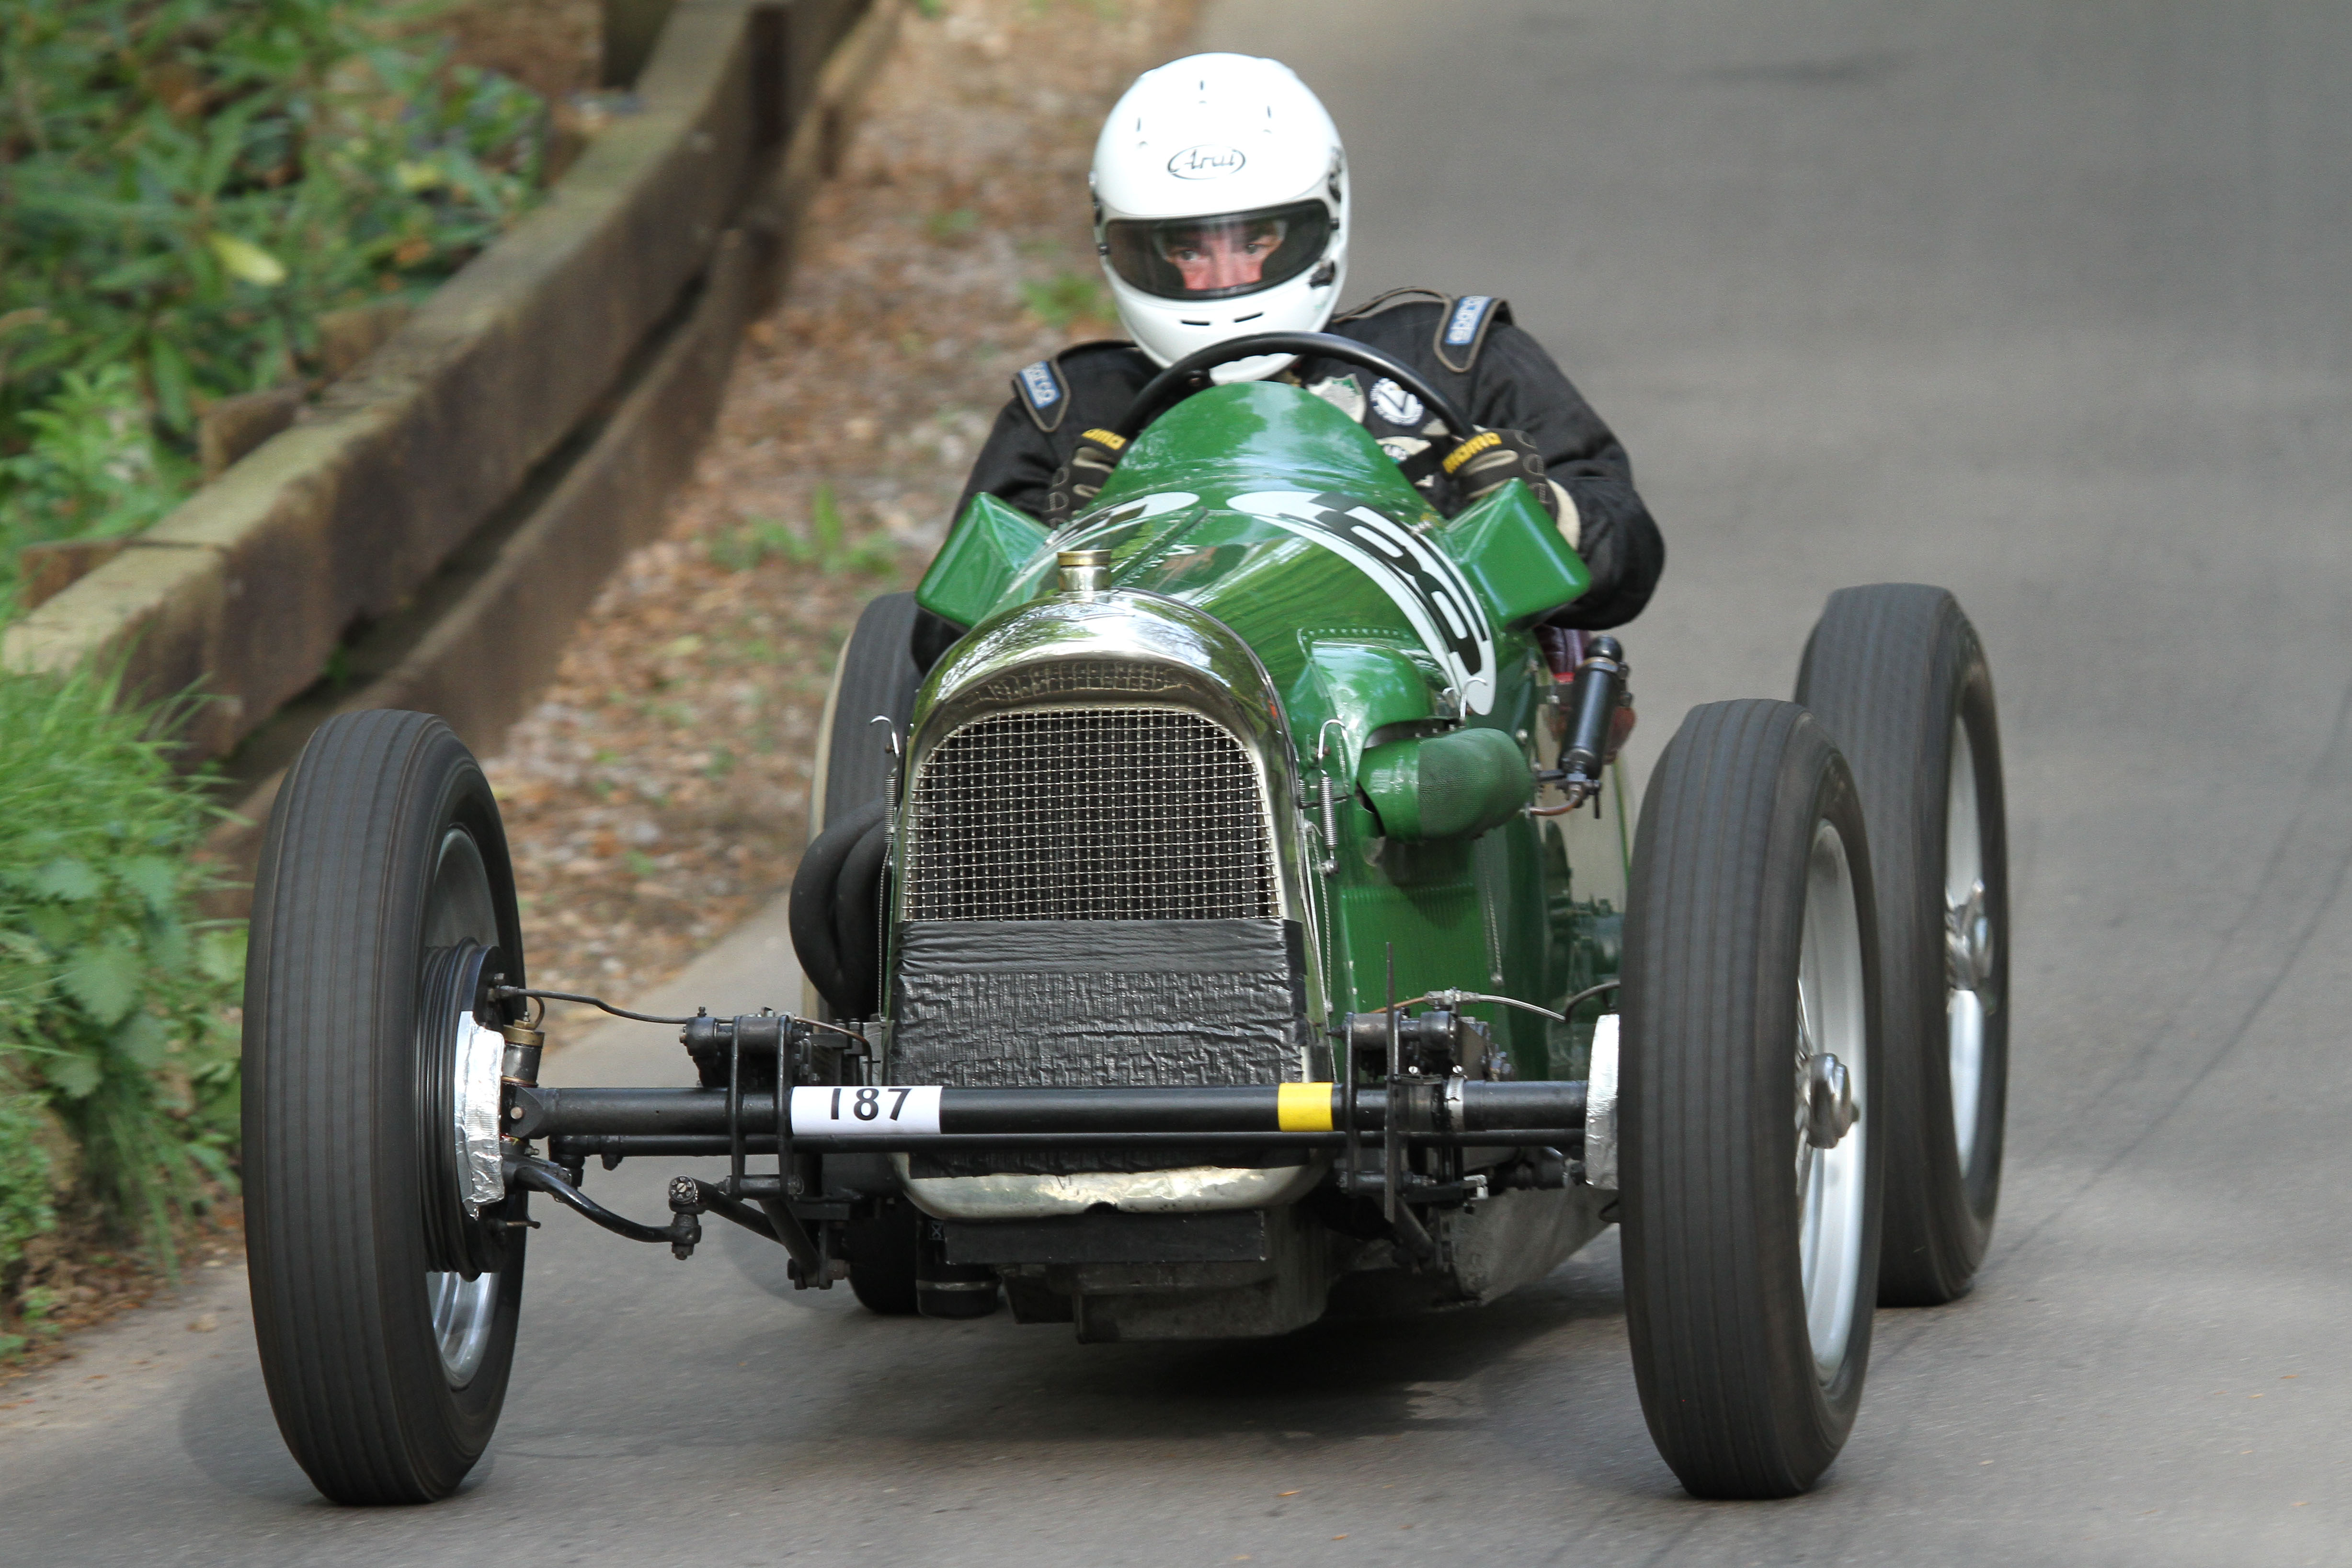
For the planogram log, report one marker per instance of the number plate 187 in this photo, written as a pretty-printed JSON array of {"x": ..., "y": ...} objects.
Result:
[{"x": 844, "y": 1111}]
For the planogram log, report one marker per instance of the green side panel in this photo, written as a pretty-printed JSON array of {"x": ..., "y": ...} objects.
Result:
[
  {"x": 1365, "y": 687},
  {"x": 1584, "y": 875},
  {"x": 983, "y": 554},
  {"x": 1512, "y": 552},
  {"x": 1261, "y": 435},
  {"x": 1456, "y": 785}
]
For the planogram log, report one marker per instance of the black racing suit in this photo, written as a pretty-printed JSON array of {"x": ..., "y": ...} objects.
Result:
[{"x": 1467, "y": 348}]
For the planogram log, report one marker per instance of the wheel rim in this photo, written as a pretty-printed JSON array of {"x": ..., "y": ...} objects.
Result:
[
  {"x": 1831, "y": 1021},
  {"x": 463, "y": 1313},
  {"x": 1968, "y": 941},
  {"x": 458, "y": 908}
]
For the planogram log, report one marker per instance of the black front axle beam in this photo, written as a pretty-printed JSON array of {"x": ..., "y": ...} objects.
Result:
[{"x": 1439, "y": 1111}]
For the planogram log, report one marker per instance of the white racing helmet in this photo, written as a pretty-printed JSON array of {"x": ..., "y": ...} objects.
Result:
[{"x": 1220, "y": 195}]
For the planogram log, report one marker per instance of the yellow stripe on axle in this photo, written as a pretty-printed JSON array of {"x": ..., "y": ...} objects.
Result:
[{"x": 1302, "y": 1107}]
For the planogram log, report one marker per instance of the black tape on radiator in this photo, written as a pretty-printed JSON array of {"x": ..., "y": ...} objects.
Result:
[{"x": 1071, "y": 1004}]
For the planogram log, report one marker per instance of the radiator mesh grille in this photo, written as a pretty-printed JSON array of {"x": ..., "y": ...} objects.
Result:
[{"x": 1089, "y": 814}]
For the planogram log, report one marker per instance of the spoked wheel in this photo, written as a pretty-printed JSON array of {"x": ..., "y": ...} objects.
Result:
[
  {"x": 1748, "y": 1093},
  {"x": 386, "y": 1258},
  {"x": 1896, "y": 674}
]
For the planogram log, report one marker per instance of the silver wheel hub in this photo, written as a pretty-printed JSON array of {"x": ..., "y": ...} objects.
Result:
[
  {"x": 464, "y": 1310},
  {"x": 1831, "y": 1069},
  {"x": 1967, "y": 941},
  {"x": 1829, "y": 1101},
  {"x": 463, "y": 1313},
  {"x": 480, "y": 1054},
  {"x": 1970, "y": 955}
]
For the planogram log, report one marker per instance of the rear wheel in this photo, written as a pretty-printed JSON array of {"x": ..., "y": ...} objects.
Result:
[
  {"x": 1748, "y": 1095},
  {"x": 835, "y": 923},
  {"x": 876, "y": 678},
  {"x": 1896, "y": 674},
  {"x": 882, "y": 1259},
  {"x": 386, "y": 1258},
  {"x": 838, "y": 889}
]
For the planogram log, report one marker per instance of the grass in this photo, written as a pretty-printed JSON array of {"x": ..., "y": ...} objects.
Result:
[
  {"x": 186, "y": 187},
  {"x": 953, "y": 224},
  {"x": 1068, "y": 297},
  {"x": 118, "y": 1037},
  {"x": 825, "y": 547}
]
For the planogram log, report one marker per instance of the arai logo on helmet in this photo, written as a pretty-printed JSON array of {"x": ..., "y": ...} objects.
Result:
[{"x": 1209, "y": 160}]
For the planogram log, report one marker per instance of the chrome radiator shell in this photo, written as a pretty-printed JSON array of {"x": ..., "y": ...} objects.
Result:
[
  {"x": 1119, "y": 654},
  {"x": 1126, "y": 654}
]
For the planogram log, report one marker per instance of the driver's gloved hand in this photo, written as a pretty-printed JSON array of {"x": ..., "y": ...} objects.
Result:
[
  {"x": 1079, "y": 480},
  {"x": 1481, "y": 465},
  {"x": 1417, "y": 460}
]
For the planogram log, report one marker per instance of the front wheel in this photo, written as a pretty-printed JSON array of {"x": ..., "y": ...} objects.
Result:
[
  {"x": 386, "y": 1257},
  {"x": 1748, "y": 1103}
]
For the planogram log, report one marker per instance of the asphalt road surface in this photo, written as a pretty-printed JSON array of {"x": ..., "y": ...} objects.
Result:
[{"x": 2046, "y": 302}]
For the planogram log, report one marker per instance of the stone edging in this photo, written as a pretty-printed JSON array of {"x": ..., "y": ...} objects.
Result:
[{"x": 611, "y": 312}]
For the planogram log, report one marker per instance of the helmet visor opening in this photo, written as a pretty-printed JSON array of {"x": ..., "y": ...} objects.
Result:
[{"x": 1221, "y": 256}]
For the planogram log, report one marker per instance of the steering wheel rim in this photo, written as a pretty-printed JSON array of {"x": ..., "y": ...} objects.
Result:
[{"x": 1163, "y": 391}]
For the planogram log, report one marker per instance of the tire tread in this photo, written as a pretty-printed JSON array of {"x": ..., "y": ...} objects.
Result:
[
  {"x": 1710, "y": 956},
  {"x": 1884, "y": 670},
  {"x": 327, "y": 1226}
]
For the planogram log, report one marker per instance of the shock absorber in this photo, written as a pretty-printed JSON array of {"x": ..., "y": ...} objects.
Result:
[{"x": 1599, "y": 692}]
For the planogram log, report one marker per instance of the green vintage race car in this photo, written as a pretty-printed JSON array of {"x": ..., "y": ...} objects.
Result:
[{"x": 1238, "y": 922}]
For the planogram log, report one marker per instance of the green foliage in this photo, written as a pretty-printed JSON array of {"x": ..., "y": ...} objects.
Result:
[
  {"x": 827, "y": 546},
  {"x": 185, "y": 186},
  {"x": 953, "y": 223},
  {"x": 1068, "y": 297},
  {"x": 92, "y": 466},
  {"x": 24, "y": 1178},
  {"x": 114, "y": 1004}
]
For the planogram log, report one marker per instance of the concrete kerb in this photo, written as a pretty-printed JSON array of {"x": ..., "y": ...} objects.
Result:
[{"x": 249, "y": 587}]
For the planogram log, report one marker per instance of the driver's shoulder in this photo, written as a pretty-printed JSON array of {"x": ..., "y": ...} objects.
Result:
[
  {"x": 1089, "y": 376},
  {"x": 1426, "y": 329}
]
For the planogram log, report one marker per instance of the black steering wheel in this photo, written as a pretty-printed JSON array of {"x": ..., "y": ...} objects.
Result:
[{"x": 1191, "y": 375}]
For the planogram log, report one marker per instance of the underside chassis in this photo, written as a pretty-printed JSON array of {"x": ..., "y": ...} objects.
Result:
[{"x": 1396, "y": 1157}]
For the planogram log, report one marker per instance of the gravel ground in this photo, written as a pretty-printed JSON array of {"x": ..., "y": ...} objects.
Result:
[
  {"x": 658, "y": 793},
  {"x": 552, "y": 47}
]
